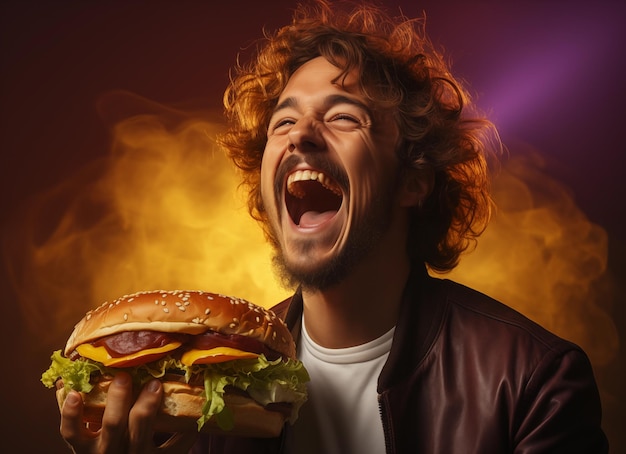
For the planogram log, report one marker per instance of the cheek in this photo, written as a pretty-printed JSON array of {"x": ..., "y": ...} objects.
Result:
[
  {"x": 267, "y": 179},
  {"x": 269, "y": 165},
  {"x": 372, "y": 174},
  {"x": 374, "y": 165}
]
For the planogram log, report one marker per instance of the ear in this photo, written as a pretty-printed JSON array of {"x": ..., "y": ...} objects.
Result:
[{"x": 415, "y": 186}]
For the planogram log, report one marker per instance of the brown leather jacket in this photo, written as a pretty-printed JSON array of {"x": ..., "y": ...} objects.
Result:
[{"x": 467, "y": 374}]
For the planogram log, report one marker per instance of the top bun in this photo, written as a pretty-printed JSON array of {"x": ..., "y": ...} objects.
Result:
[{"x": 183, "y": 311}]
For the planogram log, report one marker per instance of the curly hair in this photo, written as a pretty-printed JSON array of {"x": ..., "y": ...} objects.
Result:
[{"x": 398, "y": 68}]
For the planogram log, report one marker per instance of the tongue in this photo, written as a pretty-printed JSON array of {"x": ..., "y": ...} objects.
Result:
[{"x": 314, "y": 218}]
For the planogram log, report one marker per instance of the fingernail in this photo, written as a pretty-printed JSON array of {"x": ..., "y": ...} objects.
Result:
[
  {"x": 121, "y": 379},
  {"x": 153, "y": 386},
  {"x": 72, "y": 399}
]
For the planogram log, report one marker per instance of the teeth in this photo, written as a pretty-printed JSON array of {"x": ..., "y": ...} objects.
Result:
[{"x": 309, "y": 175}]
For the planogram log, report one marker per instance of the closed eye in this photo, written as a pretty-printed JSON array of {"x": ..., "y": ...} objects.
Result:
[
  {"x": 282, "y": 123},
  {"x": 345, "y": 117},
  {"x": 345, "y": 122}
]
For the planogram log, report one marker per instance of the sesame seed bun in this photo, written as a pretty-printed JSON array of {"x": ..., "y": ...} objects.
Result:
[{"x": 183, "y": 311}]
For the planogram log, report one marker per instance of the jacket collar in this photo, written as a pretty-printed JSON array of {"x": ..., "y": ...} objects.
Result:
[{"x": 419, "y": 322}]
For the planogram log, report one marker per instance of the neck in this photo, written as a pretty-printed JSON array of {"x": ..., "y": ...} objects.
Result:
[{"x": 359, "y": 309}]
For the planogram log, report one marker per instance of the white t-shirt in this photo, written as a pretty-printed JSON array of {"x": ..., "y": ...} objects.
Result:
[{"x": 342, "y": 415}]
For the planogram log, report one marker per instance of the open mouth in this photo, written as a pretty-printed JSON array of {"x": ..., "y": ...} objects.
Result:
[{"x": 311, "y": 197}]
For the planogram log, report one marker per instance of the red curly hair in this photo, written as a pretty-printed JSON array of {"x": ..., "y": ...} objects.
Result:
[{"x": 399, "y": 68}]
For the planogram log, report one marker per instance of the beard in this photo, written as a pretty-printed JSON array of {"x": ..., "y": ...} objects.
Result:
[{"x": 362, "y": 239}]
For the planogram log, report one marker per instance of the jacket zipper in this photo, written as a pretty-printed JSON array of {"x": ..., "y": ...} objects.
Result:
[{"x": 386, "y": 429}]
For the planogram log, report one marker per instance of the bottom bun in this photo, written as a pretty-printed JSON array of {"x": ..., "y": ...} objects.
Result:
[{"x": 182, "y": 406}]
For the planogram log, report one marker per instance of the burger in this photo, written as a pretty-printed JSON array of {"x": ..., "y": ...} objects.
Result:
[{"x": 226, "y": 365}]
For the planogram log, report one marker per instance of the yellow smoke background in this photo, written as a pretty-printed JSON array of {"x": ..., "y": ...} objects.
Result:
[
  {"x": 163, "y": 211},
  {"x": 542, "y": 256}
]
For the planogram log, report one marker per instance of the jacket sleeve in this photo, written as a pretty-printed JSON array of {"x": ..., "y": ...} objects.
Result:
[{"x": 561, "y": 410}]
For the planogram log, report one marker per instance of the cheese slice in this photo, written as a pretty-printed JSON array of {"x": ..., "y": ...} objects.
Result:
[
  {"x": 214, "y": 355},
  {"x": 101, "y": 354}
]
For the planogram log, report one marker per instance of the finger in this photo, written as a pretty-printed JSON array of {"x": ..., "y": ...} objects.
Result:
[
  {"x": 143, "y": 416},
  {"x": 73, "y": 428},
  {"x": 179, "y": 443},
  {"x": 115, "y": 418}
]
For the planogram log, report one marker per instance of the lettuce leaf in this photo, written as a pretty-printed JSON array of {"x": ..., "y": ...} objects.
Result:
[
  {"x": 214, "y": 388},
  {"x": 265, "y": 381},
  {"x": 75, "y": 374}
]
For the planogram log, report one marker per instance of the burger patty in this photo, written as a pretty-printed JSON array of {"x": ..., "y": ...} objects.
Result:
[
  {"x": 129, "y": 342},
  {"x": 213, "y": 339}
]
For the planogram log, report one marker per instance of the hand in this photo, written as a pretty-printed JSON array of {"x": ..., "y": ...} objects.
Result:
[{"x": 127, "y": 427}]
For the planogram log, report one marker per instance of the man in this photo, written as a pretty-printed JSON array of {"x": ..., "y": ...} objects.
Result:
[{"x": 365, "y": 170}]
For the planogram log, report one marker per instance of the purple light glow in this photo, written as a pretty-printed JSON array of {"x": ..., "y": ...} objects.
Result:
[{"x": 546, "y": 71}]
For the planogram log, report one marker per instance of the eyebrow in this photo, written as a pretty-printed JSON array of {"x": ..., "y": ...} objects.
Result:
[{"x": 329, "y": 101}]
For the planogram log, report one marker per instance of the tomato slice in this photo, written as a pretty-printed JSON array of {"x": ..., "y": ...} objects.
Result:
[{"x": 137, "y": 361}]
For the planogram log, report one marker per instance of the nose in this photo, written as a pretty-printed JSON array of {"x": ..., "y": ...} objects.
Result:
[{"x": 305, "y": 136}]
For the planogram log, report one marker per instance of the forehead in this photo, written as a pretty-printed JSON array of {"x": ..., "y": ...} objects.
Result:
[{"x": 318, "y": 75}]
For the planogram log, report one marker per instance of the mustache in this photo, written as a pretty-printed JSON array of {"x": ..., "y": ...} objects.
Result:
[{"x": 316, "y": 161}]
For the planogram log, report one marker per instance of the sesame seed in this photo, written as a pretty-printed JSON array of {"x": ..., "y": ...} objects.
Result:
[
  {"x": 125, "y": 317},
  {"x": 232, "y": 325},
  {"x": 182, "y": 308},
  {"x": 166, "y": 310},
  {"x": 207, "y": 311},
  {"x": 258, "y": 319}
]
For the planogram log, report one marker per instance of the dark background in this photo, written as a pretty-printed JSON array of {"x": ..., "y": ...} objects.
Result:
[{"x": 552, "y": 73}]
